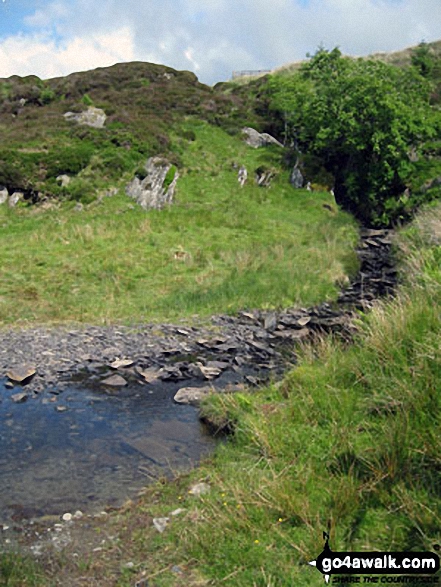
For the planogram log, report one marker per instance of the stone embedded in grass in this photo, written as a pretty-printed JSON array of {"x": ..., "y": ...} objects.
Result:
[
  {"x": 94, "y": 117},
  {"x": 200, "y": 489},
  {"x": 114, "y": 381},
  {"x": 64, "y": 180},
  {"x": 21, "y": 374},
  {"x": 14, "y": 199},
  {"x": 160, "y": 524},
  {"x": 4, "y": 195},
  {"x": 255, "y": 139},
  {"x": 157, "y": 187}
]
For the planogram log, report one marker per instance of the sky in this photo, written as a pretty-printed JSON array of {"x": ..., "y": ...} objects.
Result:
[{"x": 52, "y": 38}]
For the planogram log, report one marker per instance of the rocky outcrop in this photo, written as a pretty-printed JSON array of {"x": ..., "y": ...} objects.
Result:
[
  {"x": 94, "y": 117},
  {"x": 256, "y": 139},
  {"x": 157, "y": 188}
]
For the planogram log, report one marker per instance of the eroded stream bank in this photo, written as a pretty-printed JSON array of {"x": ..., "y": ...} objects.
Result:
[{"x": 97, "y": 420}]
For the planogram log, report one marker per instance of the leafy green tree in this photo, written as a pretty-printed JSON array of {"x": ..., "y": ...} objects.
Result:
[
  {"x": 360, "y": 117},
  {"x": 423, "y": 59}
]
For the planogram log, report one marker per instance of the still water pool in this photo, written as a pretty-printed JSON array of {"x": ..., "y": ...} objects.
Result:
[{"x": 87, "y": 448}]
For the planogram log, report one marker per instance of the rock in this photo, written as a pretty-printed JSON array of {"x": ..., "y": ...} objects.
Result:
[
  {"x": 4, "y": 195},
  {"x": 263, "y": 177},
  {"x": 160, "y": 524},
  {"x": 205, "y": 372},
  {"x": 158, "y": 186},
  {"x": 255, "y": 139},
  {"x": 64, "y": 180},
  {"x": 115, "y": 381},
  {"x": 199, "y": 489},
  {"x": 296, "y": 178},
  {"x": 121, "y": 363},
  {"x": 270, "y": 322},
  {"x": 94, "y": 117},
  {"x": 304, "y": 321},
  {"x": 15, "y": 199},
  {"x": 79, "y": 207},
  {"x": 149, "y": 375},
  {"x": 242, "y": 175},
  {"x": 192, "y": 395},
  {"x": 21, "y": 374},
  {"x": 19, "y": 398}
]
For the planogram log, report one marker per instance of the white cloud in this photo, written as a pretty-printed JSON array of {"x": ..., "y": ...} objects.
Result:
[
  {"x": 212, "y": 37},
  {"x": 43, "y": 56}
]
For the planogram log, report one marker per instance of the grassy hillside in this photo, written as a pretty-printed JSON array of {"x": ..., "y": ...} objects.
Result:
[
  {"x": 218, "y": 248},
  {"x": 144, "y": 104}
]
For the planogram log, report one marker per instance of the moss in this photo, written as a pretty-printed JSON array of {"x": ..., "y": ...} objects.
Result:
[{"x": 171, "y": 173}]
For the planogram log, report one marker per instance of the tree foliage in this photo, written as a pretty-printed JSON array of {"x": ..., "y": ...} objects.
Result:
[{"x": 361, "y": 117}]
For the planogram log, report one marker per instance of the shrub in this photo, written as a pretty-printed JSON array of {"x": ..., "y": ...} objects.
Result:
[{"x": 361, "y": 118}]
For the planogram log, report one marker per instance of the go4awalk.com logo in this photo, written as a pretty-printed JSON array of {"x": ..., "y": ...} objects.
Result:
[{"x": 411, "y": 567}]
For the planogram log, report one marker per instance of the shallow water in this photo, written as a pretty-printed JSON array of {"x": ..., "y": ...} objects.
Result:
[{"x": 100, "y": 451}]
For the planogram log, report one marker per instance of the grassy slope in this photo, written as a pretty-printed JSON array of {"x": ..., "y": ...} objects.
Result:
[
  {"x": 348, "y": 443},
  {"x": 236, "y": 248}
]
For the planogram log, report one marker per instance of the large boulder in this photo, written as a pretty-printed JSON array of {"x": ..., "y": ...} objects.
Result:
[
  {"x": 256, "y": 139},
  {"x": 157, "y": 188},
  {"x": 94, "y": 117}
]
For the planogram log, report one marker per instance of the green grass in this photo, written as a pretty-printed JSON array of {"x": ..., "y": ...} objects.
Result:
[
  {"x": 16, "y": 571},
  {"x": 218, "y": 248}
]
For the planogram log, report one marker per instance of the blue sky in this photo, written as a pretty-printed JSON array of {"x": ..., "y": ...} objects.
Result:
[{"x": 50, "y": 38}]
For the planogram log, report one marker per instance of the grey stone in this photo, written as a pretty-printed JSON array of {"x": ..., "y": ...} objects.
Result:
[
  {"x": 192, "y": 395},
  {"x": 151, "y": 192},
  {"x": 296, "y": 178},
  {"x": 115, "y": 381},
  {"x": 149, "y": 375},
  {"x": 4, "y": 195},
  {"x": 21, "y": 374},
  {"x": 15, "y": 198},
  {"x": 205, "y": 372},
  {"x": 160, "y": 524},
  {"x": 199, "y": 489},
  {"x": 64, "y": 180},
  {"x": 94, "y": 117},
  {"x": 255, "y": 139},
  {"x": 119, "y": 363},
  {"x": 242, "y": 175},
  {"x": 19, "y": 398}
]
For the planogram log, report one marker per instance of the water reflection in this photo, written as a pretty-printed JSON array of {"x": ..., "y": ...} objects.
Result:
[{"x": 85, "y": 449}]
